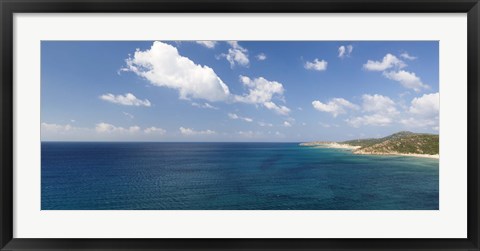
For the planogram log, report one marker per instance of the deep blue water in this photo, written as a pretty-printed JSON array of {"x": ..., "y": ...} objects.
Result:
[{"x": 234, "y": 176}]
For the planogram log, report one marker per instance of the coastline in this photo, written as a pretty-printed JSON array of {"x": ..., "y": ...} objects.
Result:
[
  {"x": 418, "y": 155},
  {"x": 353, "y": 148},
  {"x": 336, "y": 145}
]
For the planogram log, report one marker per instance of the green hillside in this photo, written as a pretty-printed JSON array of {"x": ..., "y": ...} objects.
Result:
[{"x": 401, "y": 142}]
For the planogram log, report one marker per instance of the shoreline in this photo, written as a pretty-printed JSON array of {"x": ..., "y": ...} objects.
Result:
[
  {"x": 417, "y": 155},
  {"x": 335, "y": 145},
  {"x": 353, "y": 148}
]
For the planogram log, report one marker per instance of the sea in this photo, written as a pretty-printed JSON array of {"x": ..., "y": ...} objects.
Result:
[{"x": 231, "y": 176}]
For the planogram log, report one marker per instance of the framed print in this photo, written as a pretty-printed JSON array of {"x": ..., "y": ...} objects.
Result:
[{"x": 239, "y": 125}]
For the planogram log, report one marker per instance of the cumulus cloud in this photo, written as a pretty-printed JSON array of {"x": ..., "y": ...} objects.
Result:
[
  {"x": 373, "y": 119},
  {"x": 56, "y": 131},
  {"x": 279, "y": 109},
  {"x": 191, "y": 132},
  {"x": 109, "y": 128},
  {"x": 388, "y": 61},
  {"x": 235, "y": 117},
  {"x": 426, "y": 105},
  {"x": 236, "y": 55},
  {"x": 261, "y": 91},
  {"x": 423, "y": 112},
  {"x": 287, "y": 124},
  {"x": 99, "y": 131},
  {"x": 335, "y": 106},
  {"x": 208, "y": 44},
  {"x": 381, "y": 111},
  {"x": 345, "y": 51},
  {"x": 163, "y": 66},
  {"x": 406, "y": 79},
  {"x": 57, "y": 128},
  {"x": 420, "y": 122},
  {"x": 378, "y": 104},
  {"x": 127, "y": 99},
  {"x": 405, "y": 55},
  {"x": 205, "y": 106},
  {"x": 261, "y": 57},
  {"x": 317, "y": 65},
  {"x": 154, "y": 130}
]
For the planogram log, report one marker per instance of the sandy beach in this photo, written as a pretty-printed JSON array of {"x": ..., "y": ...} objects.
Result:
[
  {"x": 436, "y": 156},
  {"x": 354, "y": 148},
  {"x": 337, "y": 145}
]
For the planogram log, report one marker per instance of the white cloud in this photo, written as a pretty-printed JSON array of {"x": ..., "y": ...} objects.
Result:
[
  {"x": 237, "y": 55},
  {"x": 54, "y": 131},
  {"x": 249, "y": 134},
  {"x": 345, "y": 51},
  {"x": 423, "y": 112},
  {"x": 191, "y": 132},
  {"x": 279, "y": 109},
  {"x": 128, "y": 115},
  {"x": 381, "y": 111},
  {"x": 405, "y": 55},
  {"x": 420, "y": 122},
  {"x": 154, "y": 130},
  {"x": 109, "y": 128},
  {"x": 407, "y": 79},
  {"x": 373, "y": 119},
  {"x": 57, "y": 128},
  {"x": 205, "y": 106},
  {"x": 133, "y": 129},
  {"x": 335, "y": 106},
  {"x": 208, "y": 44},
  {"x": 127, "y": 99},
  {"x": 235, "y": 117},
  {"x": 317, "y": 65},
  {"x": 261, "y": 57},
  {"x": 261, "y": 91},
  {"x": 387, "y": 62},
  {"x": 287, "y": 124},
  {"x": 426, "y": 105},
  {"x": 378, "y": 104},
  {"x": 264, "y": 124},
  {"x": 100, "y": 131},
  {"x": 163, "y": 66}
]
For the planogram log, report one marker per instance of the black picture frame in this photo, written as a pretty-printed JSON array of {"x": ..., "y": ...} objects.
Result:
[{"x": 10, "y": 7}]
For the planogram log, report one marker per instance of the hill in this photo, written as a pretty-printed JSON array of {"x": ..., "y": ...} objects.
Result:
[{"x": 401, "y": 142}]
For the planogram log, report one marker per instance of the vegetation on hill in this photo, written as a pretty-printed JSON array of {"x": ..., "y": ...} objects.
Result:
[{"x": 401, "y": 142}]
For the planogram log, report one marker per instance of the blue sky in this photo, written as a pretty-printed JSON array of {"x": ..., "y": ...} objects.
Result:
[{"x": 237, "y": 90}]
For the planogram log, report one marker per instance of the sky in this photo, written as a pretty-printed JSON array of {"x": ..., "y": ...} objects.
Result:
[{"x": 229, "y": 91}]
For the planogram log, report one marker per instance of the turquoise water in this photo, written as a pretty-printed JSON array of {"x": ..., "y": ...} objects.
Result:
[{"x": 234, "y": 176}]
